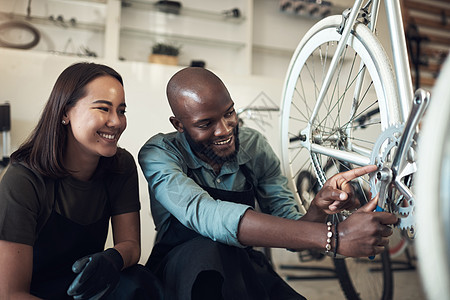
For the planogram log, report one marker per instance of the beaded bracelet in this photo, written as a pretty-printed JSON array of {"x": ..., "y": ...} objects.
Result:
[{"x": 329, "y": 235}]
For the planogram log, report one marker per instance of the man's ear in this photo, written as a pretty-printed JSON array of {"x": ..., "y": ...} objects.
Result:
[{"x": 176, "y": 124}]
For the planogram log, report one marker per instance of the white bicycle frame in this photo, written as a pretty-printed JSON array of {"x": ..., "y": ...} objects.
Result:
[{"x": 401, "y": 104}]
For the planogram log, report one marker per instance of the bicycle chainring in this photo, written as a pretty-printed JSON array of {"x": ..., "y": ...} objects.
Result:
[{"x": 393, "y": 201}]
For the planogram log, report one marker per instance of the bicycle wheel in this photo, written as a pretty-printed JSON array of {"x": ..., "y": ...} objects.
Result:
[
  {"x": 312, "y": 145},
  {"x": 433, "y": 192},
  {"x": 359, "y": 271}
]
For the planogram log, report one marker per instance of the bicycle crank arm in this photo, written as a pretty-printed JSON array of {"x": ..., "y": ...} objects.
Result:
[
  {"x": 420, "y": 103},
  {"x": 385, "y": 177}
]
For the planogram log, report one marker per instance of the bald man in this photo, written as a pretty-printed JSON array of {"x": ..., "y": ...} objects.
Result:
[{"x": 203, "y": 180}]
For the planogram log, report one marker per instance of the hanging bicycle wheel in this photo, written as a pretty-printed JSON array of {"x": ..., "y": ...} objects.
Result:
[
  {"x": 19, "y": 35},
  {"x": 347, "y": 123}
]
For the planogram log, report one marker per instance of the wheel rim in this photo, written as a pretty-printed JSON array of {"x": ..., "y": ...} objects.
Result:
[{"x": 330, "y": 129}]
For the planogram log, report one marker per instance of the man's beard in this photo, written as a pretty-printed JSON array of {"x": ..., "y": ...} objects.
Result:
[{"x": 209, "y": 153}]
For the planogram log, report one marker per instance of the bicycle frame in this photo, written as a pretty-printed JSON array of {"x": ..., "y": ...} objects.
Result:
[
  {"x": 350, "y": 75},
  {"x": 399, "y": 108}
]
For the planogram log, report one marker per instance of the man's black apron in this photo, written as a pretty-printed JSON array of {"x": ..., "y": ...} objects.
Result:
[{"x": 182, "y": 254}]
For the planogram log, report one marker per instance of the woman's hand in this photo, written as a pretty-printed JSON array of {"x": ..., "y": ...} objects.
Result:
[{"x": 98, "y": 275}]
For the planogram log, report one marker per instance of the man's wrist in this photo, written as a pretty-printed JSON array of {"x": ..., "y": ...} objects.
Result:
[{"x": 315, "y": 214}]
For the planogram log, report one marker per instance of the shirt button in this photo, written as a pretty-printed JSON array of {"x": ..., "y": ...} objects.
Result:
[{"x": 218, "y": 180}]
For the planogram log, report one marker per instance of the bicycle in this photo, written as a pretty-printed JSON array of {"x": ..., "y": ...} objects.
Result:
[
  {"x": 433, "y": 193},
  {"x": 349, "y": 73}
]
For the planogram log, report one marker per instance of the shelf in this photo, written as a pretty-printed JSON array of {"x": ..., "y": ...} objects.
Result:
[
  {"x": 128, "y": 28},
  {"x": 180, "y": 38},
  {"x": 47, "y": 21},
  {"x": 273, "y": 50},
  {"x": 427, "y": 7},
  {"x": 183, "y": 11},
  {"x": 95, "y": 1}
]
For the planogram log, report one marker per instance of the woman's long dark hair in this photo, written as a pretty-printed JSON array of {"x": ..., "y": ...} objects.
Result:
[{"x": 43, "y": 150}]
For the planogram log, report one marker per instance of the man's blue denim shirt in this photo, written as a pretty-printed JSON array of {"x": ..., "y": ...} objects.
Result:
[{"x": 165, "y": 160}]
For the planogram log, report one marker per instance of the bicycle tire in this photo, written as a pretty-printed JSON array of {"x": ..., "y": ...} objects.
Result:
[
  {"x": 25, "y": 28},
  {"x": 433, "y": 192},
  {"x": 359, "y": 275},
  {"x": 295, "y": 111}
]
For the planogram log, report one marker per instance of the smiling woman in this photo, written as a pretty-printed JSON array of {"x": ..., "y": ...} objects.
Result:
[
  {"x": 95, "y": 124},
  {"x": 64, "y": 185}
]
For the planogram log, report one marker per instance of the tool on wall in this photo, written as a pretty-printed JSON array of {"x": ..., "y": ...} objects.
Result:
[{"x": 311, "y": 8}]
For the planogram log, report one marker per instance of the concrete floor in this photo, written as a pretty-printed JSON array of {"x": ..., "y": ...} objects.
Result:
[{"x": 407, "y": 285}]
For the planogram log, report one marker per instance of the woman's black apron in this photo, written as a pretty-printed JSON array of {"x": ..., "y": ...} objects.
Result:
[
  {"x": 182, "y": 254},
  {"x": 60, "y": 243}
]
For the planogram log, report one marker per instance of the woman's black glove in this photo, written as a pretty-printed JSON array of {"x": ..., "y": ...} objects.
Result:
[{"x": 98, "y": 275}]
